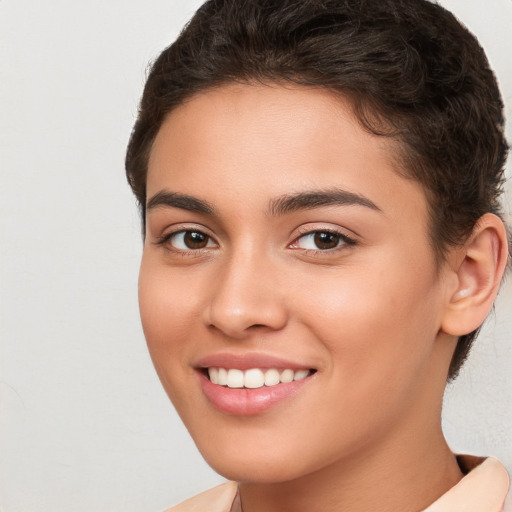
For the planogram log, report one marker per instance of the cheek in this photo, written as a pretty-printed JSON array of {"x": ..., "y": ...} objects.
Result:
[
  {"x": 379, "y": 330},
  {"x": 378, "y": 322},
  {"x": 166, "y": 302},
  {"x": 165, "y": 307}
]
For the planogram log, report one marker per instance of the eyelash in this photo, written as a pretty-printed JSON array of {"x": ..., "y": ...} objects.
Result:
[{"x": 343, "y": 241}]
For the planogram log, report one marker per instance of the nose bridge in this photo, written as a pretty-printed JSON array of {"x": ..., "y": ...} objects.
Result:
[{"x": 246, "y": 294}]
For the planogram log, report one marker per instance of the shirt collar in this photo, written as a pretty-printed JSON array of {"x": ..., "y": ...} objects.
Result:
[{"x": 483, "y": 489}]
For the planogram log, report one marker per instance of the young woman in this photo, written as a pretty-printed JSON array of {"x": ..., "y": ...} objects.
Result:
[{"x": 319, "y": 184}]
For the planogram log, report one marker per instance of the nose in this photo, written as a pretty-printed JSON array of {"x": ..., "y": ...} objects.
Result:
[{"x": 246, "y": 297}]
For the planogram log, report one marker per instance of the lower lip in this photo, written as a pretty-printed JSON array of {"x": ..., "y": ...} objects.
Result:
[{"x": 248, "y": 402}]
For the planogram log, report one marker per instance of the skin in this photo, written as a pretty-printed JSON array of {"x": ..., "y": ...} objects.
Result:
[{"x": 364, "y": 432}]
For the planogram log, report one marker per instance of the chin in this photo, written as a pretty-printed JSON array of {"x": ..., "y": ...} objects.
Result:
[
  {"x": 254, "y": 471},
  {"x": 265, "y": 465}
]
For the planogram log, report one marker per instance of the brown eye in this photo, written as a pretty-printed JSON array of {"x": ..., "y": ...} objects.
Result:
[
  {"x": 322, "y": 241},
  {"x": 195, "y": 240},
  {"x": 190, "y": 240},
  {"x": 325, "y": 240}
]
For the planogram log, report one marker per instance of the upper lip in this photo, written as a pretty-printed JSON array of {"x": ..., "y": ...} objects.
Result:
[{"x": 247, "y": 361}]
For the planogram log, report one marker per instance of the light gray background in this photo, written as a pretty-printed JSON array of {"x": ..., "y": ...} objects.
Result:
[{"x": 84, "y": 423}]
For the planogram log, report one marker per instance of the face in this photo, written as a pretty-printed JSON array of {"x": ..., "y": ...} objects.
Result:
[{"x": 288, "y": 292}]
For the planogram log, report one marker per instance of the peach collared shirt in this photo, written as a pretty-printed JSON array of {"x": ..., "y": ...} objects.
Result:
[{"x": 485, "y": 488}]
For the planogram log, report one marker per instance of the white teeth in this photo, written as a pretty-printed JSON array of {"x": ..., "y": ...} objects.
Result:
[
  {"x": 222, "y": 377},
  {"x": 213, "y": 373},
  {"x": 235, "y": 378},
  {"x": 255, "y": 377},
  {"x": 287, "y": 376},
  {"x": 301, "y": 374},
  {"x": 272, "y": 377}
]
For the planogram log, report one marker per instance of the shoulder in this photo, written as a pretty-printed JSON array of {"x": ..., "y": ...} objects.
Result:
[{"x": 218, "y": 499}]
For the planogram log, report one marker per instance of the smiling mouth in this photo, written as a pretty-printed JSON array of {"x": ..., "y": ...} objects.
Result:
[{"x": 255, "y": 378}]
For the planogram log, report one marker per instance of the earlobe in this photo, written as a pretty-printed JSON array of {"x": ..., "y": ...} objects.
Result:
[{"x": 479, "y": 268}]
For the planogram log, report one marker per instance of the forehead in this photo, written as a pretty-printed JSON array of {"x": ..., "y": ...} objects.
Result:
[{"x": 248, "y": 142}]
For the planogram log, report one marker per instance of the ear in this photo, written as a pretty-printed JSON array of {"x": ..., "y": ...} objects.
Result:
[{"x": 479, "y": 266}]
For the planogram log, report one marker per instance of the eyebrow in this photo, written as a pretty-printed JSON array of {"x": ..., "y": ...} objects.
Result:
[
  {"x": 182, "y": 201},
  {"x": 282, "y": 205},
  {"x": 316, "y": 199}
]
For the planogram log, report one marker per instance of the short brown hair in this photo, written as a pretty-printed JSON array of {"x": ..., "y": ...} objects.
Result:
[{"x": 412, "y": 71}]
